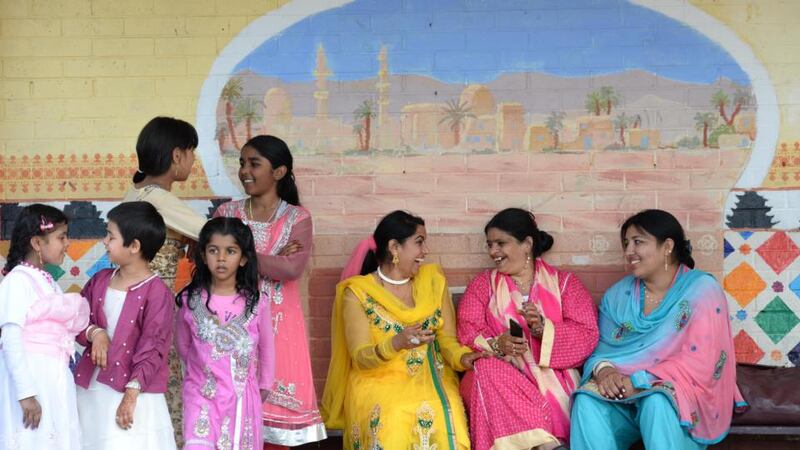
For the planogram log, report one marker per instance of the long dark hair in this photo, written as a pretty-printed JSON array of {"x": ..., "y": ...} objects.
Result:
[
  {"x": 397, "y": 225},
  {"x": 521, "y": 224},
  {"x": 33, "y": 220},
  {"x": 246, "y": 276},
  {"x": 278, "y": 154},
  {"x": 662, "y": 225},
  {"x": 156, "y": 142}
]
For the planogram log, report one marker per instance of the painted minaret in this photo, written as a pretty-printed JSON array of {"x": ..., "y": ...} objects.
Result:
[
  {"x": 322, "y": 73},
  {"x": 382, "y": 86}
]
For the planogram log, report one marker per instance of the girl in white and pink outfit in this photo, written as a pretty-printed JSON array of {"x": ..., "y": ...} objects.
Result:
[{"x": 39, "y": 323}]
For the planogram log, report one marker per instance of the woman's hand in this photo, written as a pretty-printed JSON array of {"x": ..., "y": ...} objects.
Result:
[
  {"x": 291, "y": 248},
  {"x": 126, "y": 408},
  {"x": 100, "y": 344},
  {"x": 614, "y": 385},
  {"x": 31, "y": 412},
  {"x": 411, "y": 337},
  {"x": 533, "y": 318},
  {"x": 468, "y": 359},
  {"x": 512, "y": 346}
]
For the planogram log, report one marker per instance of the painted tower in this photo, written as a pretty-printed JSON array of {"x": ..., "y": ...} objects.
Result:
[{"x": 322, "y": 73}]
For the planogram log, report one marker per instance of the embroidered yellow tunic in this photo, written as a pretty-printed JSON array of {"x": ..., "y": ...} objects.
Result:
[{"x": 409, "y": 398}]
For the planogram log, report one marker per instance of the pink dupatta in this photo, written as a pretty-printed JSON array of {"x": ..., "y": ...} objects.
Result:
[{"x": 504, "y": 304}]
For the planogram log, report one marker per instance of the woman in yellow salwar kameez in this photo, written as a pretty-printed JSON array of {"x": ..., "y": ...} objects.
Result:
[{"x": 391, "y": 383}]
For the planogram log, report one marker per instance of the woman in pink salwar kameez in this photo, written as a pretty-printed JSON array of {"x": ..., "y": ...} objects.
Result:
[
  {"x": 283, "y": 234},
  {"x": 520, "y": 398}
]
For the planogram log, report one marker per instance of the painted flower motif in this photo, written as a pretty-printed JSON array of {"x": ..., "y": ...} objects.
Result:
[
  {"x": 720, "y": 365},
  {"x": 777, "y": 286}
]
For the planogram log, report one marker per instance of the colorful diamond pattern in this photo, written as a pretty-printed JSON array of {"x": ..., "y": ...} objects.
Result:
[
  {"x": 776, "y": 319},
  {"x": 762, "y": 282},
  {"x": 747, "y": 350},
  {"x": 778, "y": 251},
  {"x": 743, "y": 283}
]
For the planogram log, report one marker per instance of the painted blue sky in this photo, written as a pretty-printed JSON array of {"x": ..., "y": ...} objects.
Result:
[{"x": 474, "y": 41}]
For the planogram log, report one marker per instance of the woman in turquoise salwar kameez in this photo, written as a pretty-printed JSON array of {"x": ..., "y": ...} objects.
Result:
[{"x": 664, "y": 370}]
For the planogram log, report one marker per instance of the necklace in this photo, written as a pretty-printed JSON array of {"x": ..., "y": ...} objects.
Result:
[
  {"x": 523, "y": 286},
  {"x": 391, "y": 281},
  {"x": 649, "y": 298},
  {"x": 274, "y": 209}
]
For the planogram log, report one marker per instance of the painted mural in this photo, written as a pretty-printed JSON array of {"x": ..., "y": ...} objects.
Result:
[{"x": 452, "y": 77}]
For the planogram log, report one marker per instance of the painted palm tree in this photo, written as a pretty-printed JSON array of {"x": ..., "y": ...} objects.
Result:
[
  {"x": 455, "y": 113},
  {"x": 364, "y": 114},
  {"x": 610, "y": 98},
  {"x": 741, "y": 99},
  {"x": 594, "y": 102},
  {"x": 705, "y": 121},
  {"x": 621, "y": 123},
  {"x": 720, "y": 100},
  {"x": 248, "y": 110},
  {"x": 554, "y": 124},
  {"x": 231, "y": 93}
]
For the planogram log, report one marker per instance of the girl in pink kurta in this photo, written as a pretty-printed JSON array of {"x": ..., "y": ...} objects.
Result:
[
  {"x": 224, "y": 338},
  {"x": 283, "y": 234},
  {"x": 520, "y": 398}
]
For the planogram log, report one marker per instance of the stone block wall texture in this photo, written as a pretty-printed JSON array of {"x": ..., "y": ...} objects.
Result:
[{"x": 581, "y": 111}]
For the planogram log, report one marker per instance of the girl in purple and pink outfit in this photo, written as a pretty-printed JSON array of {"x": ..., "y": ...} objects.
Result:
[{"x": 224, "y": 338}]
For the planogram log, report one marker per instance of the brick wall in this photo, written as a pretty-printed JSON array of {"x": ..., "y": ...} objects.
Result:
[{"x": 78, "y": 79}]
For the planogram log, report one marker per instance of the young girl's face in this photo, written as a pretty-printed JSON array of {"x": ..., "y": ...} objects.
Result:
[
  {"x": 256, "y": 172},
  {"x": 53, "y": 245},
  {"x": 115, "y": 244},
  {"x": 223, "y": 256}
]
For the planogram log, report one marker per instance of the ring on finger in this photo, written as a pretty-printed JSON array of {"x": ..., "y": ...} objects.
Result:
[{"x": 414, "y": 340}]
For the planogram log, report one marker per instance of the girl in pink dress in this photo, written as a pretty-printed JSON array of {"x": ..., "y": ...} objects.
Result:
[
  {"x": 224, "y": 338},
  {"x": 282, "y": 230}
]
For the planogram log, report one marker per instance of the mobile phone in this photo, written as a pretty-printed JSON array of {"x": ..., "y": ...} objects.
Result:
[{"x": 514, "y": 329}]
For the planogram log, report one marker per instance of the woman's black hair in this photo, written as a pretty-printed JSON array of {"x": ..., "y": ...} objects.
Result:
[
  {"x": 156, "y": 142},
  {"x": 246, "y": 276},
  {"x": 397, "y": 225},
  {"x": 278, "y": 154},
  {"x": 662, "y": 225},
  {"x": 32, "y": 220},
  {"x": 521, "y": 224}
]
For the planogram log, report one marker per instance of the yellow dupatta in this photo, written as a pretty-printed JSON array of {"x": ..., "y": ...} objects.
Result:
[{"x": 428, "y": 288}]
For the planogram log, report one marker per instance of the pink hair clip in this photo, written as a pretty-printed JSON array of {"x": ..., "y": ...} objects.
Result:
[{"x": 45, "y": 224}]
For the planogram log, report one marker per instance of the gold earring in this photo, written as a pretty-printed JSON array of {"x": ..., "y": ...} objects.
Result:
[
  {"x": 39, "y": 254},
  {"x": 527, "y": 261},
  {"x": 395, "y": 259},
  {"x": 177, "y": 174},
  {"x": 666, "y": 265}
]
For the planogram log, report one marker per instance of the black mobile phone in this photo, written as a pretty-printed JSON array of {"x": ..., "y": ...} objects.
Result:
[{"x": 514, "y": 328}]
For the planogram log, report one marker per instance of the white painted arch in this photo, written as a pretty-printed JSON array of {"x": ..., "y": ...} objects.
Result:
[{"x": 276, "y": 21}]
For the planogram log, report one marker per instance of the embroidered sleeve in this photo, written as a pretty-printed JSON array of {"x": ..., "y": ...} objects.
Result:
[
  {"x": 289, "y": 267},
  {"x": 472, "y": 312},
  {"x": 153, "y": 346},
  {"x": 14, "y": 356},
  {"x": 363, "y": 351},
  {"x": 573, "y": 339},
  {"x": 451, "y": 349},
  {"x": 266, "y": 345}
]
